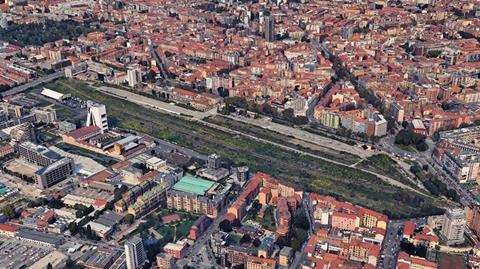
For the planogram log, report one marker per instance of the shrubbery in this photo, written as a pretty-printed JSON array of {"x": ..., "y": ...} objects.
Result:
[{"x": 407, "y": 138}]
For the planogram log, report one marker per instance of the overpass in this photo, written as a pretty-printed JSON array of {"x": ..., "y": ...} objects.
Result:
[{"x": 34, "y": 83}]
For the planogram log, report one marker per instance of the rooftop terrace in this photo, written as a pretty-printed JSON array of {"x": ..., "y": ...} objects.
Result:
[{"x": 193, "y": 185}]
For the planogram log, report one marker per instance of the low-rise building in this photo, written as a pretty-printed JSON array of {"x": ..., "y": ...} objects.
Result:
[
  {"x": 199, "y": 227},
  {"x": 8, "y": 230},
  {"x": 285, "y": 256},
  {"x": 165, "y": 261},
  {"x": 98, "y": 258},
  {"x": 254, "y": 262},
  {"x": 39, "y": 238},
  {"x": 177, "y": 250},
  {"x": 406, "y": 261}
]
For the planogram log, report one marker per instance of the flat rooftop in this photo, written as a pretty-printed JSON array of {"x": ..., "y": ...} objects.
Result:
[{"x": 193, "y": 185}]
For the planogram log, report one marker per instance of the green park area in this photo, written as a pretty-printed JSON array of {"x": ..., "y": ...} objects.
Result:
[
  {"x": 268, "y": 219},
  {"x": 157, "y": 234},
  {"x": 154, "y": 226},
  {"x": 383, "y": 164},
  {"x": 63, "y": 113},
  {"x": 309, "y": 173},
  {"x": 40, "y": 33}
]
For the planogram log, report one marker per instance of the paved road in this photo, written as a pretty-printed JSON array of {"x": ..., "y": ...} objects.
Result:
[
  {"x": 466, "y": 198},
  {"x": 58, "y": 74},
  {"x": 391, "y": 246},
  {"x": 300, "y": 255},
  {"x": 152, "y": 103},
  {"x": 202, "y": 241},
  {"x": 425, "y": 158},
  {"x": 160, "y": 62}
]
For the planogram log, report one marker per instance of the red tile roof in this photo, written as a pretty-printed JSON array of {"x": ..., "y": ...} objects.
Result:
[
  {"x": 409, "y": 228},
  {"x": 8, "y": 228},
  {"x": 79, "y": 133}
]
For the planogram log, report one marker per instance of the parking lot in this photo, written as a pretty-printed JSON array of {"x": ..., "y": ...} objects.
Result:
[
  {"x": 14, "y": 254},
  {"x": 26, "y": 189},
  {"x": 22, "y": 167}
]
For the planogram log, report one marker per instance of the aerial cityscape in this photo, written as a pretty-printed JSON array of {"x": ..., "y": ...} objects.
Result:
[{"x": 254, "y": 134}]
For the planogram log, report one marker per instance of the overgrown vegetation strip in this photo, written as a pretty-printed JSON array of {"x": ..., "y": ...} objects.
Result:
[{"x": 310, "y": 173}]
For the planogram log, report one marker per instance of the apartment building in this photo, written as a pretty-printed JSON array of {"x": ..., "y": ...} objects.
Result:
[
  {"x": 254, "y": 262},
  {"x": 148, "y": 201},
  {"x": 453, "y": 227},
  {"x": 197, "y": 196},
  {"x": 54, "y": 168}
]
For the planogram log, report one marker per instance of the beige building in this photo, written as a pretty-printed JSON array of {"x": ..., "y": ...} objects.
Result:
[
  {"x": 165, "y": 261},
  {"x": 192, "y": 203},
  {"x": 453, "y": 227},
  {"x": 285, "y": 256},
  {"x": 148, "y": 201},
  {"x": 328, "y": 118}
]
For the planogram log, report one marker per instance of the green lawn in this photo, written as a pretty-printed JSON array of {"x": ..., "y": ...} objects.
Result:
[
  {"x": 175, "y": 230},
  {"x": 307, "y": 172},
  {"x": 235, "y": 238},
  {"x": 63, "y": 113},
  {"x": 267, "y": 222},
  {"x": 406, "y": 148}
]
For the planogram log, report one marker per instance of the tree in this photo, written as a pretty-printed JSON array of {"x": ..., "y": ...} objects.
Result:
[
  {"x": 299, "y": 236},
  {"x": 69, "y": 263},
  {"x": 245, "y": 239},
  {"x": 55, "y": 203},
  {"x": 415, "y": 169},
  {"x": 403, "y": 138},
  {"x": 282, "y": 241},
  {"x": 236, "y": 223},
  {"x": 150, "y": 76},
  {"x": 88, "y": 230},
  {"x": 256, "y": 205},
  {"x": 433, "y": 53},
  {"x": 52, "y": 220},
  {"x": 422, "y": 146},
  {"x": 9, "y": 211},
  {"x": 225, "y": 226},
  {"x": 40, "y": 33},
  {"x": 129, "y": 218},
  {"x": 49, "y": 266},
  {"x": 257, "y": 242},
  {"x": 288, "y": 114},
  {"x": 300, "y": 120},
  {"x": 407, "y": 138},
  {"x": 32, "y": 204},
  {"x": 73, "y": 228},
  {"x": 301, "y": 220}
]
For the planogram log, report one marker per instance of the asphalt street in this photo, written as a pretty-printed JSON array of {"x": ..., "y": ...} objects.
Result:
[{"x": 34, "y": 83}]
